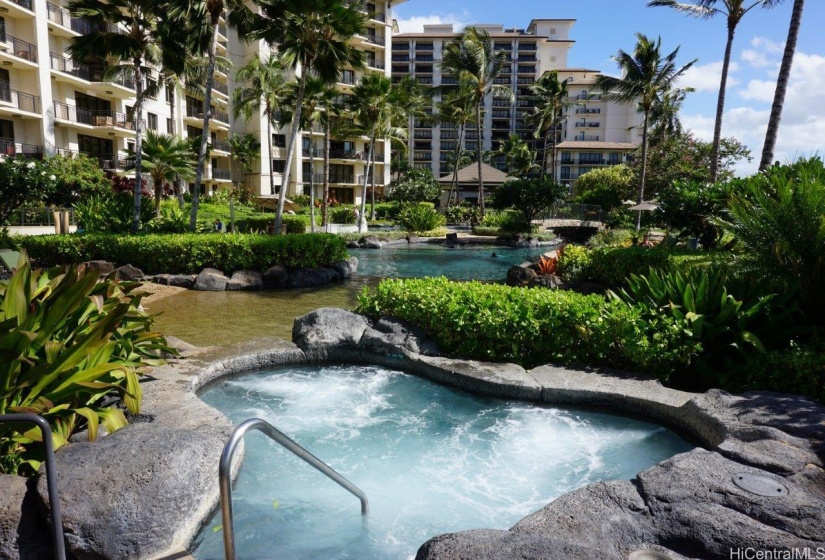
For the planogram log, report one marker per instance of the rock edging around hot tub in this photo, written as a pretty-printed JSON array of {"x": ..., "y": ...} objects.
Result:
[{"x": 149, "y": 487}]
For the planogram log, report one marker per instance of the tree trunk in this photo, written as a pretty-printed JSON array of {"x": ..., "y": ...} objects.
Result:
[
  {"x": 544, "y": 157},
  {"x": 296, "y": 121},
  {"x": 207, "y": 115},
  {"x": 177, "y": 184},
  {"x": 478, "y": 154},
  {"x": 720, "y": 106},
  {"x": 781, "y": 86},
  {"x": 456, "y": 161},
  {"x": 269, "y": 147},
  {"x": 644, "y": 169},
  {"x": 138, "y": 113},
  {"x": 311, "y": 182},
  {"x": 362, "y": 217},
  {"x": 157, "y": 183},
  {"x": 372, "y": 189},
  {"x": 327, "y": 139}
]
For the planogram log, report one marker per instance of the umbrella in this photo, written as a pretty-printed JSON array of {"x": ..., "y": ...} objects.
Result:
[
  {"x": 646, "y": 205},
  {"x": 270, "y": 201}
]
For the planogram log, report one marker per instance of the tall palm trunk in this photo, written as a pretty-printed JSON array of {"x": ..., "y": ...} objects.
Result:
[
  {"x": 311, "y": 183},
  {"x": 207, "y": 115},
  {"x": 478, "y": 154},
  {"x": 720, "y": 106},
  {"x": 138, "y": 113},
  {"x": 456, "y": 160},
  {"x": 157, "y": 183},
  {"x": 781, "y": 86},
  {"x": 269, "y": 147},
  {"x": 644, "y": 169},
  {"x": 177, "y": 184},
  {"x": 327, "y": 141},
  {"x": 372, "y": 190},
  {"x": 544, "y": 157},
  {"x": 362, "y": 217},
  {"x": 296, "y": 121}
]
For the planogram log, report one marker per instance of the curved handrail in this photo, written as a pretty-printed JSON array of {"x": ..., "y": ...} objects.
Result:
[
  {"x": 225, "y": 467},
  {"x": 51, "y": 475}
]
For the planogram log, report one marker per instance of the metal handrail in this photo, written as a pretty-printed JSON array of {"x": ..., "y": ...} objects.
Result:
[
  {"x": 51, "y": 475},
  {"x": 225, "y": 467}
]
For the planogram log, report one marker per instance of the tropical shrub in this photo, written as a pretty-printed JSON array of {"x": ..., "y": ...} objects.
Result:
[
  {"x": 77, "y": 177},
  {"x": 342, "y": 215},
  {"x": 690, "y": 208},
  {"x": 416, "y": 185},
  {"x": 779, "y": 219},
  {"x": 798, "y": 369},
  {"x": 418, "y": 217},
  {"x": 24, "y": 181},
  {"x": 295, "y": 224},
  {"x": 171, "y": 220},
  {"x": 111, "y": 213},
  {"x": 70, "y": 344},
  {"x": 189, "y": 253},
  {"x": 615, "y": 184},
  {"x": 573, "y": 263},
  {"x": 462, "y": 213},
  {"x": 532, "y": 326},
  {"x": 486, "y": 231},
  {"x": 528, "y": 197}
]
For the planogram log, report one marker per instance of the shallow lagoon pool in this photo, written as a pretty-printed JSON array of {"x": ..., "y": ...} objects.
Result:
[{"x": 431, "y": 460}]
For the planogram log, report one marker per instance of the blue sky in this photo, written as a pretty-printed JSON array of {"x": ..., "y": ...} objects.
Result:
[{"x": 604, "y": 26}]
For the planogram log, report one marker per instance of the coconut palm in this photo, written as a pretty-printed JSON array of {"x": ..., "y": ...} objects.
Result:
[
  {"x": 245, "y": 150},
  {"x": 315, "y": 36},
  {"x": 415, "y": 99},
  {"x": 733, "y": 11},
  {"x": 266, "y": 87},
  {"x": 457, "y": 107},
  {"x": 781, "y": 86},
  {"x": 548, "y": 114},
  {"x": 647, "y": 76},
  {"x": 138, "y": 35},
  {"x": 375, "y": 107},
  {"x": 664, "y": 117},
  {"x": 470, "y": 58},
  {"x": 202, "y": 22},
  {"x": 165, "y": 157}
]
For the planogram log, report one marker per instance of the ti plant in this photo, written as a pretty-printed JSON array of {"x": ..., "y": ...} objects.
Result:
[{"x": 71, "y": 349}]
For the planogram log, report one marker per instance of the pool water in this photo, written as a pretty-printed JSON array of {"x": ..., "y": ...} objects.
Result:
[
  {"x": 469, "y": 262},
  {"x": 430, "y": 459}
]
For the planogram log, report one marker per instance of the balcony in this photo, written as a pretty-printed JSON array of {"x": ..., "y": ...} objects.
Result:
[
  {"x": 425, "y": 80},
  {"x": 400, "y": 58},
  {"x": 8, "y": 147},
  {"x": 584, "y": 96},
  {"x": 346, "y": 154},
  {"x": 499, "y": 114},
  {"x": 526, "y": 70},
  {"x": 341, "y": 178},
  {"x": 25, "y": 4},
  {"x": 373, "y": 63},
  {"x": 503, "y": 80},
  {"x": 97, "y": 119},
  {"x": 13, "y": 47},
  {"x": 17, "y": 102},
  {"x": 423, "y": 134},
  {"x": 592, "y": 161},
  {"x": 586, "y": 138},
  {"x": 196, "y": 112},
  {"x": 221, "y": 87},
  {"x": 449, "y": 81},
  {"x": 221, "y": 146},
  {"x": 347, "y": 78},
  {"x": 423, "y": 156},
  {"x": 588, "y": 125},
  {"x": 424, "y": 58},
  {"x": 317, "y": 178},
  {"x": 221, "y": 174},
  {"x": 526, "y": 58},
  {"x": 588, "y": 111},
  {"x": 401, "y": 46},
  {"x": 376, "y": 39},
  {"x": 93, "y": 75}
]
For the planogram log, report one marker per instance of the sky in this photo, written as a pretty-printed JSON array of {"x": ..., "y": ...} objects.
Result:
[{"x": 605, "y": 26}]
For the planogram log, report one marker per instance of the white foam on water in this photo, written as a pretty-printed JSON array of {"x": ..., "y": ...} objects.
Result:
[{"x": 431, "y": 460}]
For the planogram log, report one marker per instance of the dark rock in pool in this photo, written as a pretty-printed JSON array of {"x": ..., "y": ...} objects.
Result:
[
  {"x": 177, "y": 280},
  {"x": 354, "y": 245},
  {"x": 245, "y": 280},
  {"x": 520, "y": 276},
  {"x": 211, "y": 280},
  {"x": 344, "y": 268},
  {"x": 275, "y": 277},
  {"x": 309, "y": 277},
  {"x": 102, "y": 267},
  {"x": 326, "y": 328},
  {"x": 127, "y": 272},
  {"x": 545, "y": 281},
  {"x": 371, "y": 242}
]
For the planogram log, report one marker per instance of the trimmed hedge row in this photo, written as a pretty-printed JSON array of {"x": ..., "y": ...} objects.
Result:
[
  {"x": 189, "y": 253},
  {"x": 533, "y": 326},
  {"x": 262, "y": 222}
]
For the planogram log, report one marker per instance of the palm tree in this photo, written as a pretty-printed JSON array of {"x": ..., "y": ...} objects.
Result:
[
  {"x": 166, "y": 157},
  {"x": 415, "y": 99},
  {"x": 202, "y": 23},
  {"x": 458, "y": 108},
  {"x": 471, "y": 59},
  {"x": 733, "y": 11},
  {"x": 647, "y": 77},
  {"x": 507, "y": 149},
  {"x": 781, "y": 86},
  {"x": 375, "y": 106},
  {"x": 315, "y": 36},
  {"x": 664, "y": 117},
  {"x": 267, "y": 87},
  {"x": 138, "y": 35},
  {"x": 548, "y": 114},
  {"x": 245, "y": 150}
]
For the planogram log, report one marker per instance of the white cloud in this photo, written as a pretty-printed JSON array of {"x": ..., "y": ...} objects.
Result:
[
  {"x": 415, "y": 24},
  {"x": 763, "y": 54},
  {"x": 706, "y": 77}
]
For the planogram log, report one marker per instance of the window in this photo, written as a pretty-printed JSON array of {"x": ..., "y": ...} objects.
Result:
[
  {"x": 152, "y": 121},
  {"x": 170, "y": 126},
  {"x": 170, "y": 95},
  {"x": 278, "y": 165},
  {"x": 279, "y": 140},
  {"x": 150, "y": 86},
  {"x": 552, "y": 31}
]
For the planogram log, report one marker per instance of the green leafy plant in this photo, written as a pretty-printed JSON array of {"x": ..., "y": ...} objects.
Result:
[
  {"x": 69, "y": 343},
  {"x": 172, "y": 219},
  {"x": 528, "y": 197},
  {"x": 690, "y": 208},
  {"x": 418, "y": 217},
  {"x": 416, "y": 185},
  {"x": 24, "y": 181},
  {"x": 110, "y": 213},
  {"x": 342, "y": 215}
]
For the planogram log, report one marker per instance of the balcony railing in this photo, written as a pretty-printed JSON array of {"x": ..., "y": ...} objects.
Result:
[
  {"x": 586, "y": 138},
  {"x": 221, "y": 145},
  {"x": 425, "y": 80},
  {"x": 591, "y": 161},
  {"x": 22, "y": 49},
  {"x": 424, "y": 58},
  {"x": 8, "y": 147},
  {"x": 588, "y": 111},
  {"x": 376, "y": 39},
  {"x": 400, "y": 46},
  {"x": 347, "y": 77},
  {"x": 449, "y": 81},
  {"x": 221, "y": 87},
  {"x": 317, "y": 178},
  {"x": 423, "y": 156},
  {"x": 346, "y": 154},
  {"x": 224, "y": 174},
  {"x": 372, "y": 63},
  {"x": 423, "y": 134},
  {"x": 502, "y": 80},
  {"x": 62, "y": 16},
  {"x": 107, "y": 162},
  {"x": 588, "y": 125},
  {"x": 588, "y": 96},
  {"x": 341, "y": 178},
  {"x": 196, "y": 111},
  {"x": 27, "y": 4},
  {"x": 23, "y": 101},
  {"x": 75, "y": 114},
  {"x": 89, "y": 73}
]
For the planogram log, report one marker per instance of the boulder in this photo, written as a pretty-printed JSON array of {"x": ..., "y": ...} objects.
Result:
[
  {"x": 176, "y": 280},
  {"x": 389, "y": 336},
  {"x": 371, "y": 242},
  {"x": 343, "y": 268},
  {"x": 520, "y": 276},
  {"x": 211, "y": 280},
  {"x": 275, "y": 277},
  {"x": 24, "y": 533},
  {"x": 245, "y": 280},
  {"x": 583, "y": 287},
  {"x": 490, "y": 544},
  {"x": 526, "y": 243},
  {"x": 127, "y": 273},
  {"x": 102, "y": 267},
  {"x": 550, "y": 281},
  {"x": 124, "y": 496},
  {"x": 353, "y": 262},
  {"x": 354, "y": 245},
  {"x": 318, "y": 331},
  {"x": 310, "y": 277}
]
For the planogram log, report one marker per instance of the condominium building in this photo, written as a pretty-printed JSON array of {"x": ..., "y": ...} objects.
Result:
[
  {"x": 50, "y": 103},
  {"x": 592, "y": 124}
]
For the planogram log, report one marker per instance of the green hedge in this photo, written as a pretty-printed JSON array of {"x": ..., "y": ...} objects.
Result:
[
  {"x": 188, "y": 253},
  {"x": 533, "y": 326}
]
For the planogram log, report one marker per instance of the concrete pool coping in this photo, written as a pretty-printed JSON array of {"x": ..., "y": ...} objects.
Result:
[{"x": 149, "y": 488}]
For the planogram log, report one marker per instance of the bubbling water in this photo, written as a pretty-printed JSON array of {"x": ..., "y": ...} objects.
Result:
[{"x": 431, "y": 460}]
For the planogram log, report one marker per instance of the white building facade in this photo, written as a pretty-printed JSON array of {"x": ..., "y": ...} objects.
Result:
[{"x": 52, "y": 104}]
